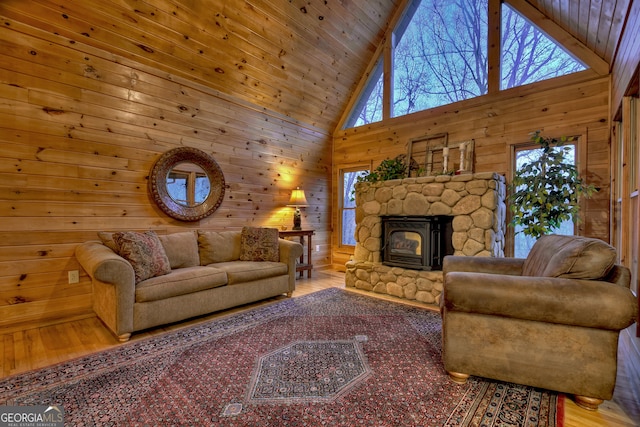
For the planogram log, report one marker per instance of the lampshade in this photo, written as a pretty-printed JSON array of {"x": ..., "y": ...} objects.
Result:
[{"x": 298, "y": 198}]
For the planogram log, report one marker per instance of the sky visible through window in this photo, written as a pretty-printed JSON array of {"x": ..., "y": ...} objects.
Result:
[
  {"x": 528, "y": 55},
  {"x": 441, "y": 57}
]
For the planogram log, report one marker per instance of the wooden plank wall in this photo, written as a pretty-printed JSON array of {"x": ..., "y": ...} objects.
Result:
[
  {"x": 80, "y": 129},
  {"x": 571, "y": 105},
  {"x": 624, "y": 82},
  {"x": 627, "y": 59}
]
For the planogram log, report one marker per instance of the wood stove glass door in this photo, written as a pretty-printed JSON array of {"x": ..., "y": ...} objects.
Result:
[{"x": 405, "y": 243}]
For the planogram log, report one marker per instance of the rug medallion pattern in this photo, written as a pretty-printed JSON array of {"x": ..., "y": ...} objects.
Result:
[
  {"x": 332, "y": 358},
  {"x": 308, "y": 370}
]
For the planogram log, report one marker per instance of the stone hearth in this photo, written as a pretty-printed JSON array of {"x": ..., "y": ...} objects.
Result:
[{"x": 477, "y": 203}]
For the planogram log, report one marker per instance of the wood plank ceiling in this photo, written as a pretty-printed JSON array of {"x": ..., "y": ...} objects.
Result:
[
  {"x": 595, "y": 23},
  {"x": 300, "y": 58}
]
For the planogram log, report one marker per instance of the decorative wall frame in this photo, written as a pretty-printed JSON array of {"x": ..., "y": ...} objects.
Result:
[
  {"x": 425, "y": 155},
  {"x": 434, "y": 155}
]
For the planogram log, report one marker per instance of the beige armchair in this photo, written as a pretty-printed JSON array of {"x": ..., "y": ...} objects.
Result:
[{"x": 551, "y": 320}]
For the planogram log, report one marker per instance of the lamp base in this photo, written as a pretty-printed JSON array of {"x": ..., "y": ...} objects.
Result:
[{"x": 297, "y": 220}]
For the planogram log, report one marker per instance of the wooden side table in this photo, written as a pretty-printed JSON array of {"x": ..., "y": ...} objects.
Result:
[{"x": 302, "y": 265}]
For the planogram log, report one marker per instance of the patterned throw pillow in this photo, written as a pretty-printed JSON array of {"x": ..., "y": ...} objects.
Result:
[
  {"x": 107, "y": 239},
  {"x": 259, "y": 244},
  {"x": 145, "y": 253}
]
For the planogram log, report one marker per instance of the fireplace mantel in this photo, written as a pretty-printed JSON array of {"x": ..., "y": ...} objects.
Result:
[{"x": 475, "y": 201}]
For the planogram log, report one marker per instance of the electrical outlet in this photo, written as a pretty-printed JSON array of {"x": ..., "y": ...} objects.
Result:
[
  {"x": 74, "y": 276},
  {"x": 317, "y": 248}
]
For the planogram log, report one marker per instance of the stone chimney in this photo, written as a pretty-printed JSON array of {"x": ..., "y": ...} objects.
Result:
[{"x": 475, "y": 201}]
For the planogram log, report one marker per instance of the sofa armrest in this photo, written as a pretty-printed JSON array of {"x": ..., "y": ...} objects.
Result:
[
  {"x": 113, "y": 283},
  {"x": 289, "y": 253},
  {"x": 478, "y": 264},
  {"x": 586, "y": 303},
  {"x": 103, "y": 264}
]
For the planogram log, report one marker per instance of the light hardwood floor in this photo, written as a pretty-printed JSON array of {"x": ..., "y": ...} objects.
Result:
[{"x": 24, "y": 350}]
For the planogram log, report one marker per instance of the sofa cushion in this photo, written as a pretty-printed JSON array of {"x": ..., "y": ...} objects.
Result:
[
  {"x": 181, "y": 249},
  {"x": 571, "y": 257},
  {"x": 247, "y": 271},
  {"x": 259, "y": 244},
  {"x": 144, "y": 252},
  {"x": 180, "y": 282},
  {"x": 219, "y": 246}
]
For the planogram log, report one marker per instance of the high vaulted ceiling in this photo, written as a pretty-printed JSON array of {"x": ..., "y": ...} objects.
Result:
[
  {"x": 300, "y": 58},
  {"x": 596, "y": 23}
]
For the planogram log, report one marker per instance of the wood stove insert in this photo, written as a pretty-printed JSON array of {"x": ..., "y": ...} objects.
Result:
[{"x": 416, "y": 242}]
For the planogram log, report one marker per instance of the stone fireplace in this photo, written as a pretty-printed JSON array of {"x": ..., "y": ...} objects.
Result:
[{"x": 474, "y": 203}]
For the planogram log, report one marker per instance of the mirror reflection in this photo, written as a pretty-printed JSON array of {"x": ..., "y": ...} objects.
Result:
[{"x": 188, "y": 184}]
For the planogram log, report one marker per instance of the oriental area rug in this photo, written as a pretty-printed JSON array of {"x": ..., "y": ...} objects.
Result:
[{"x": 332, "y": 358}]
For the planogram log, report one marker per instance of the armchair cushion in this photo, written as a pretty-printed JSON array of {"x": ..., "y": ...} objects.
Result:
[{"x": 569, "y": 257}]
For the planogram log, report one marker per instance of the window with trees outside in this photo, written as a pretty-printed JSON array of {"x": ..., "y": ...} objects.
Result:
[
  {"x": 369, "y": 104},
  {"x": 440, "y": 57},
  {"x": 522, "y": 244},
  {"x": 347, "y": 204}
]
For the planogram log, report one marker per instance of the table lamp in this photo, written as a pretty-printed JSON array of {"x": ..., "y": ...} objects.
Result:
[{"x": 297, "y": 201}]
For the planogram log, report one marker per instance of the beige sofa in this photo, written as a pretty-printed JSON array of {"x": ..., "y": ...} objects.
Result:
[
  {"x": 207, "y": 271},
  {"x": 551, "y": 320}
]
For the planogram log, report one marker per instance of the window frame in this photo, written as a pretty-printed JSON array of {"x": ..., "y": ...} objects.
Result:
[
  {"x": 576, "y": 141},
  {"x": 368, "y": 90},
  {"x": 625, "y": 197},
  {"x": 342, "y": 170}
]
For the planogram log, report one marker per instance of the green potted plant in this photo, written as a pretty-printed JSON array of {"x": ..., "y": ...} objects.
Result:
[
  {"x": 546, "y": 191},
  {"x": 395, "y": 168}
]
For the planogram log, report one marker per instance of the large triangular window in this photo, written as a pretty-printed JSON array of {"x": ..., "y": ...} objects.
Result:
[
  {"x": 440, "y": 56},
  {"x": 528, "y": 55}
]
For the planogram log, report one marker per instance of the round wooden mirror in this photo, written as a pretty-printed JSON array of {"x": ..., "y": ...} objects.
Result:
[{"x": 187, "y": 184}]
